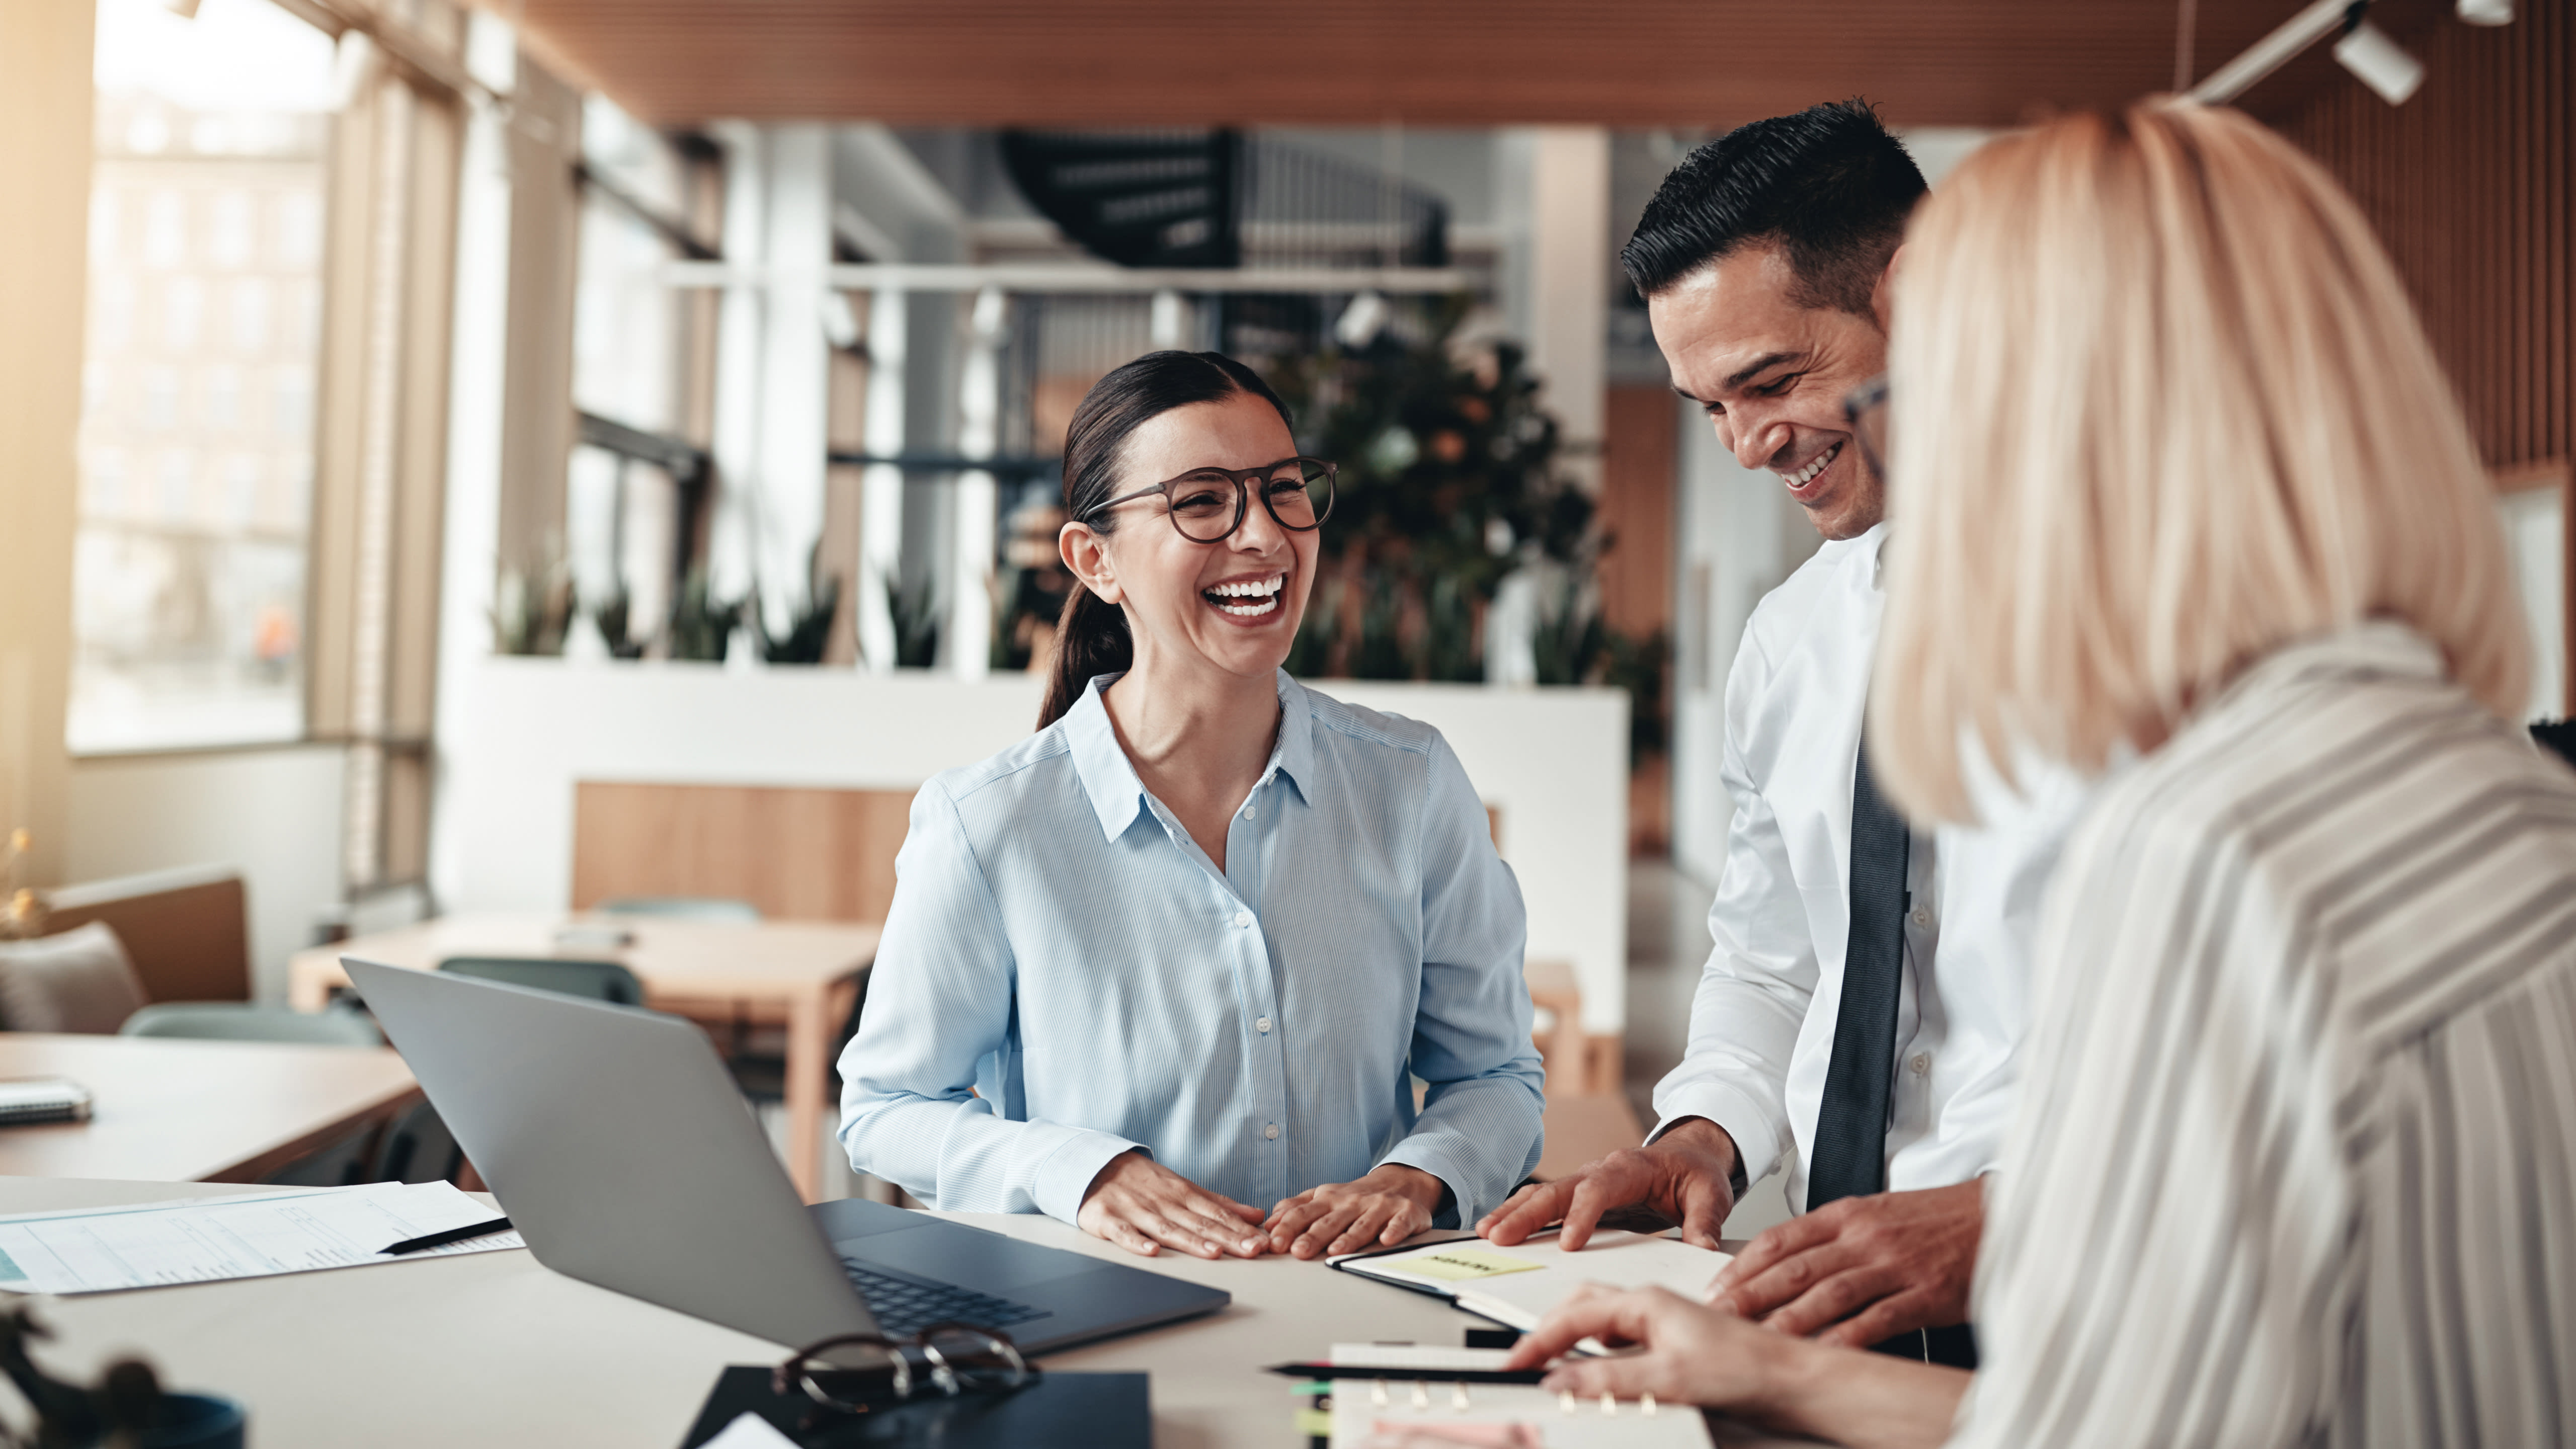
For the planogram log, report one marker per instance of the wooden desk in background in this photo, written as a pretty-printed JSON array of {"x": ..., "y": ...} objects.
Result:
[
  {"x": 196, "y": 1111},
  {"x": 806, "y": 970}
]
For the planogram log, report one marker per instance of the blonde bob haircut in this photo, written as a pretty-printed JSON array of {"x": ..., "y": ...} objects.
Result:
[{"x": 2159, "y": 406}]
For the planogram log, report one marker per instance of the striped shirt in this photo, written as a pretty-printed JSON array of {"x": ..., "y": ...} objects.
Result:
[{"x": 2295, "y": 1161}]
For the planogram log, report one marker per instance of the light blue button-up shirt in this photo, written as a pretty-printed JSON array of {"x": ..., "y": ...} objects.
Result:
[{"x": 1066, "y": 976}]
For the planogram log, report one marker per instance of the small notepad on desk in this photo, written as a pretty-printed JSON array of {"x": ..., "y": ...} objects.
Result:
[
  {"x": 1517, "y": 1286},
  {"x": 30, "y": 1101},
  {"x": 1424, "y": 1412}
]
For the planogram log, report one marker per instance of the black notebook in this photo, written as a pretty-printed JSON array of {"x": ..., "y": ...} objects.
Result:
[{"x": 1111, "y": 1411}]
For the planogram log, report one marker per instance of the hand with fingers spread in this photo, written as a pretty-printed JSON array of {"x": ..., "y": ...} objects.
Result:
[
  {"x": 1691, "y": 1354},
  {"x": 1862, "y": 1269},
  {"x": 1679, "y": 1178},
  {"x": 1145, "y": 1207},
  {"x": 1380, "y": 1210}
]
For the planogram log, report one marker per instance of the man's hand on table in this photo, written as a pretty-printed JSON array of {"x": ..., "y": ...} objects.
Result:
[
  {"x": 1145, "y": 1207},
  {"x": 1380, "y": 1210},
  {"x": 1863, "y": 1269},
  {"x": 1680, "y": 1178}
]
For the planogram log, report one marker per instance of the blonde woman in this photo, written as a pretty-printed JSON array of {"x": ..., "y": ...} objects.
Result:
[{"x": 2183, "y": 499}]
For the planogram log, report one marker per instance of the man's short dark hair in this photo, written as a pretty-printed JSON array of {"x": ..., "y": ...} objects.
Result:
[{"x": 1829, "y": 184}]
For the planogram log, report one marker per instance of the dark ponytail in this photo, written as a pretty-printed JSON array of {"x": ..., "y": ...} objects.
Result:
[{"x": 1091, "y": 639}]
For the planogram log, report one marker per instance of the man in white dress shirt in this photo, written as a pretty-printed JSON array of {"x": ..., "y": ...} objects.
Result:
[{"x": 1884, "y": 1090}]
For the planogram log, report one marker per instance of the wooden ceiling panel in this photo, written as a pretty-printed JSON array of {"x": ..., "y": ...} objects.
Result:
[{"x": 1648, "y": 63}]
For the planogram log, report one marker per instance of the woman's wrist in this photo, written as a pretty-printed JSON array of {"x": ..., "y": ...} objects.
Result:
[
  {"x": 1790, "y": 1371},
  {"x": 1412, "y": 1182}
]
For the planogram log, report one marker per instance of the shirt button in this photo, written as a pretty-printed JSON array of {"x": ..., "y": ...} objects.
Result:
[
  {"x": 1271, "y": 1132},
  {"x": 1264, "y": 1024},
  {"x": 1922, "y": 917},
  {"x": 1242, "y": 919},
  {"x": 1248, "y": 811},
  {"x": 1921, "y": 1063}
]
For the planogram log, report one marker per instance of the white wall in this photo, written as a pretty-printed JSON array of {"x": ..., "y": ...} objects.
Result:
[
  {"x": 1554, "y": 762},
  {"x": 2535, "y": 528},
  {"x": 1739, "y": 536},
  {"x": 272, "y": 814},
  {"x": 1552, "y": 187}
]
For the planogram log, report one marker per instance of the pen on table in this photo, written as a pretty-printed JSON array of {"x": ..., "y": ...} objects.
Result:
[
  {"x": 1430, "y": 1375},
  {"x": 452, "y": 1235}
]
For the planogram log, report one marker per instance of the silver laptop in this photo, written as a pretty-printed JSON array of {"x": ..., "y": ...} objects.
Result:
[{"x": 621, "y": 1148}]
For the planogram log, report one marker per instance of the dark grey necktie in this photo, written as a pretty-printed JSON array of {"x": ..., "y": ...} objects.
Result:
[{"x": 1850, "y": 1157}]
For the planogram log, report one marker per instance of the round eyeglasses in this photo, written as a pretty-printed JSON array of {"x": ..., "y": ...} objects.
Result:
[
  {"x": 1865, "y": 408},
  {"x": 955, "y": 1358},
  {"x": 1208, "y": 504}
]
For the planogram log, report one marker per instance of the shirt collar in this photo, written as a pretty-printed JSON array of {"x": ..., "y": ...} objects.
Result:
[
  {"x": 1870, "y": 544},
  {"x": 1109, "y": 778},
  {"x": 2383, "y": 647}
]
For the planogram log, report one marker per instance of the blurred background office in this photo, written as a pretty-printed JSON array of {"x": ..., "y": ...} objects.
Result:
[{"x": 487, "y": 464}]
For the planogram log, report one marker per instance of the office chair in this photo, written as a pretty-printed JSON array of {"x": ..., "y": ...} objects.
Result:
[
  {"x": 763, "y": 1078},
  {"x": 683, "y": 908},
  {"x": 596, "y": 980},
  {"x": 241, "y": 1021}
]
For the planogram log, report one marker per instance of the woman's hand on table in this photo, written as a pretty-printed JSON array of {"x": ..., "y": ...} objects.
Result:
[
  {"x": 1145, "y": 1207},
  {"x": 1690, "y": 1353},
  {"x": 1380, "y": 1210}
]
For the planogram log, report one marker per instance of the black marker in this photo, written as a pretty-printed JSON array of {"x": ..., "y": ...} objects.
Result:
[
  {"x": 452, "y": 1235},
  {"x": 1322, "y": 1371}
]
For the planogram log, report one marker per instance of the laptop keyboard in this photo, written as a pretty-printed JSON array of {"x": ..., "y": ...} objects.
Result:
[{"x": 907, "y": 1305}]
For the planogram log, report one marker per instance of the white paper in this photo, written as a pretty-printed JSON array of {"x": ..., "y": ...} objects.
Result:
[
  {"x": 750, "y": 1431},
  {"x": 200, "y": 1240},
  {"x": 1407, "y": 1414},
  {"x": 1520, "y": 1300}
]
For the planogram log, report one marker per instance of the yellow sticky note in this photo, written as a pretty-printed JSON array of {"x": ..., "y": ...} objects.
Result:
[{"x": 1453, "y": 1265}]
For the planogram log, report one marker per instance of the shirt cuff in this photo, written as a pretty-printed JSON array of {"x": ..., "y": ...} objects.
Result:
[
  {"x": 1430, "y": 1156},
  {"x": 1757, "y": 1136},
  {"x": 1067, "y": 1172}
]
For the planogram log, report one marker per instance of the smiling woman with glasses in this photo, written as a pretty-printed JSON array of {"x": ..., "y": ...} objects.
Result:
[{"x": 1170, "y": 967}]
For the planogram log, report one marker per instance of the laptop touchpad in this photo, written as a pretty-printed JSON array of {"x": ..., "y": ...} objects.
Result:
[{"x": 967, "y": 1258}]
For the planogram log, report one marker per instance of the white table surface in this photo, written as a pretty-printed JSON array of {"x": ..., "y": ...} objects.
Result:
[{"x": 494, "y": 1349}]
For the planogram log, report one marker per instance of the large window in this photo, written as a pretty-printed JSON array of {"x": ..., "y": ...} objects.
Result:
[
  {"x": 638, "y": 370},
  {"x": 197, "y": 425}
]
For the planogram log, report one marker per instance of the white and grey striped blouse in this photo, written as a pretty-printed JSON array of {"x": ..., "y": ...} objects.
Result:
[{"x": 2296, "y": 1157}]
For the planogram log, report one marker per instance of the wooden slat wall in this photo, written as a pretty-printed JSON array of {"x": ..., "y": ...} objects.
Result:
[
  {"x": 2470, "y": 184},
  {"x": 807, "y": 855}
]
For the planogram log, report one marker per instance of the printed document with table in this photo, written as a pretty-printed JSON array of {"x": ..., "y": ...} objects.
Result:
[{"x": 200, "y": 1240}]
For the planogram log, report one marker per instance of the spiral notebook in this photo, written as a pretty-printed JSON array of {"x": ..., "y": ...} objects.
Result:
[
  {"x": 1377, "y": 1413},
  {"x": 27, "y": 1101}
]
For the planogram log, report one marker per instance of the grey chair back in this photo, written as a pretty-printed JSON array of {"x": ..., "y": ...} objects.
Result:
[
  {"x": 240, "y": 1021},
  {"x": 606, "y": 981},
  {"x": 683, "y": 908}
]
